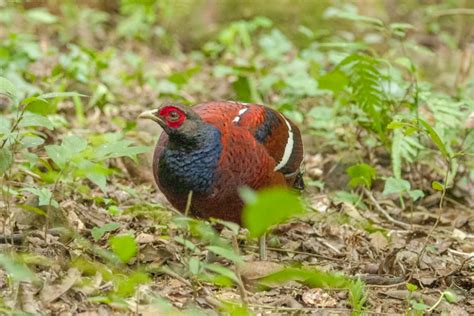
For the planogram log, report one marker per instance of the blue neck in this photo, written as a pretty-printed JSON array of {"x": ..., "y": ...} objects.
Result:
[{"x": 191, "y": 166}]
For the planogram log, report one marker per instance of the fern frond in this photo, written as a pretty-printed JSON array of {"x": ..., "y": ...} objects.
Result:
[{"x": 366, "y": 84}]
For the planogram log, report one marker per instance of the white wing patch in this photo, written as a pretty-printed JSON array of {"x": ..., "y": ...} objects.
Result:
[
  {"x": 241, "y": 112},
  {"x": 288, "y": 148}
]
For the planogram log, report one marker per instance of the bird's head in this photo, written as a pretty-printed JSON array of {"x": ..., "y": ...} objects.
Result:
[{"x": 178, "y": 121}]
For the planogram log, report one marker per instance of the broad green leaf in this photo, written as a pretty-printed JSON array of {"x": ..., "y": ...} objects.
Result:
[
  {"x": 6, "y": 160},
  {"x": 17, "y": 271},
  {"x": 124, "y": 246},
  {"x": 32, "y": 119},
  {"x": 8, "y": 89},
  {"x": 99, "y": 232},
  {"x": 394, "y": 185},
  {"x": 225, "y": 253},
  {"x": 74, "y": 144},
  {"x": 267, "y": 208},
  {"x": 45, "y": 196},
  {"x": 31, "y": 141},
  {"x": 40, "y": 106},
  {"x": 127, "y": 284},
  {"x": 437, "y": 186},
  {"x": 336, "y": 81},
  {"x": 58, "y": 154},
  {"x": 242, "y": 89},
  {"x": 361, "y": 174}
]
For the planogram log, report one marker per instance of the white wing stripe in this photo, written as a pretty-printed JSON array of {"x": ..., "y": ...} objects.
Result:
[
  {"x": 237, "y": 118},
  {"x": 288, "y": 147}
]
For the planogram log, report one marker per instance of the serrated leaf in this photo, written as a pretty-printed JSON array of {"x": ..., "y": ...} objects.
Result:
[
  {"x": 124, "y": 247},
  {"x": 8, "y": 89},
  {"x": 270, "y": 207},
  {"x": 6, "y": 160}
]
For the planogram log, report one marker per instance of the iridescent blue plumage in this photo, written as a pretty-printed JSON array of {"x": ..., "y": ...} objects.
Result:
[{"x": 192, "y": 167}]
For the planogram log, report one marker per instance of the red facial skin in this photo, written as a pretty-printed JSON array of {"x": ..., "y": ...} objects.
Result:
[{"x": 170, "y": 121}]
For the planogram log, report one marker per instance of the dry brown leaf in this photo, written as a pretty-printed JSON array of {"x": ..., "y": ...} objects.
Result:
[
  {"x": 319, "y": 298},
  {"x": 378, "y": 241},
  {"x": 52, "y": 292}
]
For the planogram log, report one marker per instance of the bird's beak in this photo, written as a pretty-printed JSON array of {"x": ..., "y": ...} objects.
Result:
[{"x": 151, "y": 115}]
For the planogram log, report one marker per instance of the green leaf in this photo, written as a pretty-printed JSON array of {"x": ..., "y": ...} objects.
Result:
[
  {"x": 419, "y": 306},
  {"x": 124, "y": 246},
  {"x": 74, "y": 144},
  {"x": 45, "y": 196},
  {"x": 99, "y": 232},
  {"x": 309, "y": 277},
  {"x": 39, "y": 106},
  {"x": 194, "y": 266},
  {"x": 17, "y": 271},
  {"x": 8, "y": 89},
  {"x": 361, "y": 174},
  {"x": 336, "y": 81},
  {"x": 219, "y": 269},
  {"x": 242, "y": 89},
  {"x": 61, "y": 95},
  {"x": 267, "y": 208},
  {"x": 394, "y": 185},
  {"x": 58, "y": 154},
  {"x": 411, "y": 287},
  {"x": 225, "y": 253},
  {"x": 41, "y": 15},
  {"x": 437, "y": 186},
  {"x": 450, "y": 296},
  {"x": 6, "y": 160},
  {"x": 416, "y": 194},
  {"x": 435, "y": 138},
  {"x": 32, "y": 119},
  {"x": 187, "y": 243}
]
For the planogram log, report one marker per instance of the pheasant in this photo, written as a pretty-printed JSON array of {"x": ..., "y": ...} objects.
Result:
[{"x": 214, "y": 148}]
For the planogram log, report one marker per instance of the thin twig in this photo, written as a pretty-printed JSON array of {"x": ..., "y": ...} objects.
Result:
[
  {"x": 240, "y": 284},
  {"x": 384, "y": 213}
]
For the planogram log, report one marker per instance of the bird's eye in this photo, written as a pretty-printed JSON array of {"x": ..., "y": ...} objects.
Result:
[{"x": 173, "y": 116}]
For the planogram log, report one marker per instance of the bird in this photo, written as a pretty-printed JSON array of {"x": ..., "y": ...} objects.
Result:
[{"x": 214, "y": 148}]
